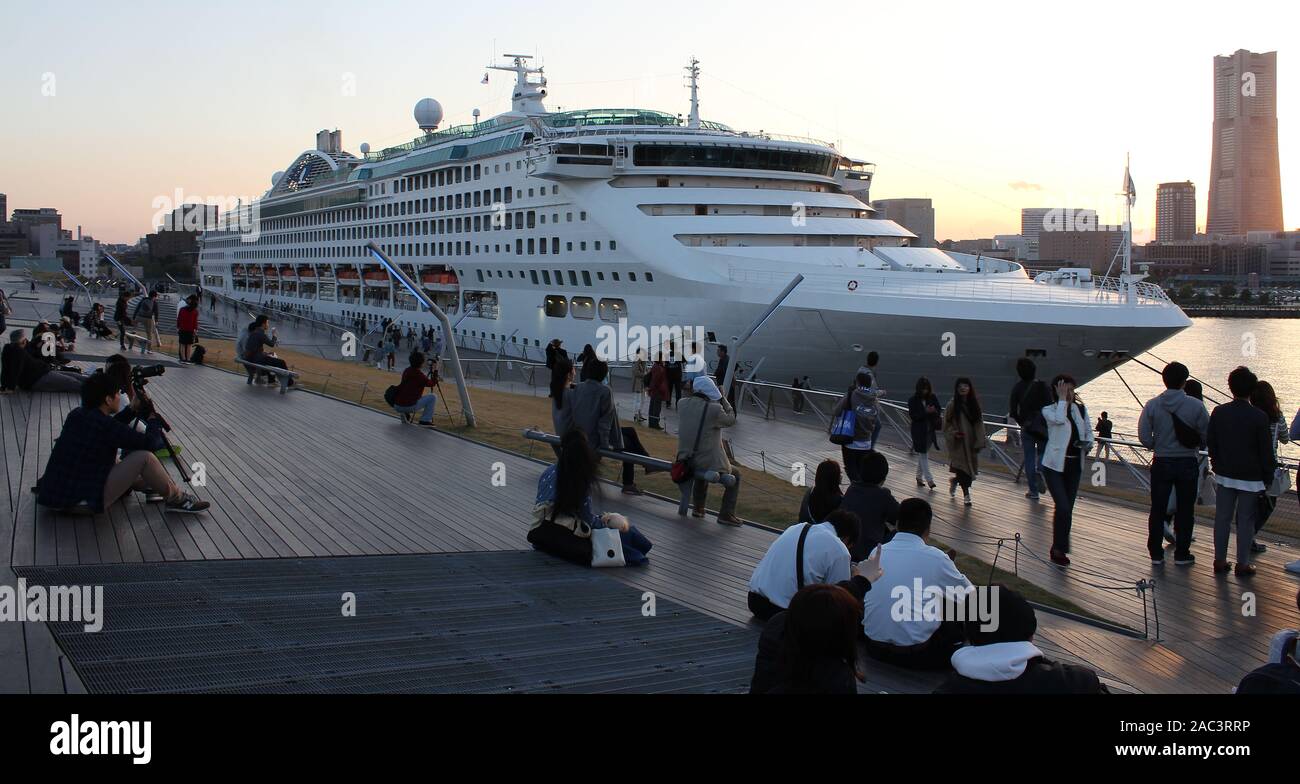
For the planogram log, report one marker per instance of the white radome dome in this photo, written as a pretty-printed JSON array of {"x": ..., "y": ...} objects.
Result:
[
  {"x": 428, "y": 114},
  {"x": 365, "y": 148}
]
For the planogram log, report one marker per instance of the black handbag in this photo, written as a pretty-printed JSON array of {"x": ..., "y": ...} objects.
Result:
[{"x": 561, "y": 542}]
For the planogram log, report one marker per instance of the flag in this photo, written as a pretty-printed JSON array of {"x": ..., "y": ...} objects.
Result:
[
  {"x": 1129, "y": 189},
  {"x": 485, "y": 78}
]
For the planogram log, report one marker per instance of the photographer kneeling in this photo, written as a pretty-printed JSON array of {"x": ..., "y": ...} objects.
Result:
[
  {"x": 83, "y": 473},
  {"x": 408, "y": 394}
]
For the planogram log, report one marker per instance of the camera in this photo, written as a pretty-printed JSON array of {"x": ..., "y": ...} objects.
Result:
[{"x": 141, "y": 372}]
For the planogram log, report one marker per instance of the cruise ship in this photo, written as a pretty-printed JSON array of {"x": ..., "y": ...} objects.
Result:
[{"x": 534, "y": 225}]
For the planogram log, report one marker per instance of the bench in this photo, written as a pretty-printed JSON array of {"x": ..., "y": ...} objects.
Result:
[
  {"x": 712, "y": 477},
  {"x": 281, "y": 373},
  {"x": 131, "y": 338}
]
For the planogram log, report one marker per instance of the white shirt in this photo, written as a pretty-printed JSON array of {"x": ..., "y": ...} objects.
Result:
[
  {"x": 895, "y": 607},
  {"x": 1244, "y": 485},
  {"x": 1058, "y": 432},
  {"x": 825, "y": 560}
]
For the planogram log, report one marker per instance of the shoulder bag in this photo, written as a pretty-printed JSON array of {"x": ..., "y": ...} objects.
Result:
[{"x": 684, "y": 469}]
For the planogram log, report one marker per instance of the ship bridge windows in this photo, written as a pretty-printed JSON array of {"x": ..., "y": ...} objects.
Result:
[{"x": 726, "y": 157}]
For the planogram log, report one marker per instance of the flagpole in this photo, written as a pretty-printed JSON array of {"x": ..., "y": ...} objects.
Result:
[{"x": 1128, "y": 218}]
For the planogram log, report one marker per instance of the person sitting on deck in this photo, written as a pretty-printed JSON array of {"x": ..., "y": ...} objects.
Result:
[
  {"x": 410, "y": 396},
  {"x": 780, "y": 573},
  {"x": 699, "y": 439},
  {"x": 1282, "y": 673},
  {"x": 812, "y": 648},
  {"x": 258, "y": 341},
  {"x": 83, "y": 474},
  {"x": 562, "y": 515},
  {"x": 67, "y": 334},
  {"x": 591, "y": 409},
  {"x": 1004, "y": 659},
  {"x": 871, "y": 501},
  {"x": 919, "y": 640},
  {"x": 48, "y": 349},
  {"x": 824, "y": 496},
  {"x": 20, "y": 370}
]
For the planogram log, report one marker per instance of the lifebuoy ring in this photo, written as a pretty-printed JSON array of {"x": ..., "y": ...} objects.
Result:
[{"x": 853, "y": 285}]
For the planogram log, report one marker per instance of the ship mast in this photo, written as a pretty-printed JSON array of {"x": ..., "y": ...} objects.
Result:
[{"x": 693, "y": 79}]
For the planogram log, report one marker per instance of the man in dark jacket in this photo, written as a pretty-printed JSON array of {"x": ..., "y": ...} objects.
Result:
[
  {"x": 120, "y": 316},
  {"x": 83, "y": 474},
  {"x": 1004, "y": 659},
  {"x": 554, "y": 352},
  {"x": 19, "y": 369},
  {"x": 871, "y": 501},
  {"x": 1028, "y": 397},
  {"x": 1241, "y": 456},
  {"x": 259, "y": 341}
]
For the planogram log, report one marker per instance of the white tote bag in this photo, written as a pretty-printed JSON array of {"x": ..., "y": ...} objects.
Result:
[{"x": 606, "y": 548}]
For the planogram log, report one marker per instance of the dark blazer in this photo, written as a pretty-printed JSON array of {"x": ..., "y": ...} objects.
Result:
[
  {"x": 1240, "y": 443},
  {"x": 19, "y": 369},
  {"x": 924, "y": 424},
  {"x": 875, "y": 506}
]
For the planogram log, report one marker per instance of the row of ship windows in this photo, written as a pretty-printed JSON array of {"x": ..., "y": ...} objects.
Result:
[
  {"x": 544, "y": 279},
  {"x": 446, "y": 176},
  {"x": 532, "y": 246}
]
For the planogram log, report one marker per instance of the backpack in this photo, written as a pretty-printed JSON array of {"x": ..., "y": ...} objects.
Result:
[
  {"x": 390, "y": 396},
  {"x": 1185, "y": 433}
]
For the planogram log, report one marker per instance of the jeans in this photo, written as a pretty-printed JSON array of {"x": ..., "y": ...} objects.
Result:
[
  {"x": 427, "y": 404},
  {"x": 59, "y": 381},
  {"x": 1245, "y": 506},
  {"x": 1032, "y": 466},
  {"x": 1064, "y": 487},
  {"x": 1180, "y": 476},
  {"x": 852, "y": 462},
  {"x": 923, "y": 467},
  {"x": 656, "y": 405}
]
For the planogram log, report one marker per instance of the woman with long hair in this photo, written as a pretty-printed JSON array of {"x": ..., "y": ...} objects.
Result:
[
  {"x": 923, "y": 409},
  {"x": 819, "y": 643},
  {"x": 963, "y": 433},
  {"x": 1069, "y": 439},
  {"x": 1265, "y": 399},
  {"x": 565, "y": 490},
  {"x": 824, "y": 496},
  {"x": 561, "y": 383}
]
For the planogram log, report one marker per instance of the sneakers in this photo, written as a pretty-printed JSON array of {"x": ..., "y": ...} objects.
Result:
[
  {"x": 952, "y": 488},
  {"x": 1243, "y": 570},
  {"x": 919, "y": 482},
  {"x": 1293, "y": 567},
  {"x": 1184, "y": 560},
  {"x": 427, "y": 425},
  {"x": 1222, "y": 567},
  {"x": 931, "y": 484},
  {"x": 1258, "y": 547},
  {"x": 966, "y": 498},
  {"x": 1031, "y": 495},
  {"x": 632, "y": 490},
  {"x": 731, "y": 520},
  {"x": 1059, "y": 558},
  {"x": 187, "y": 504},
  {"x": 1158, "y": 561}
]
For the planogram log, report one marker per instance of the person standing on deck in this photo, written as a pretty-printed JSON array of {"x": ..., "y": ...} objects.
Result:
[
  {"x": 873, "y": 359},
  {"x": 639, "y": 372},
  {"x": 1173, "y": 425},
  {"x": 674, "y": 375},
  {"x": 5, "y": 310},
  {"x": 963, "y": 432},
  {"x": 120, "y": 317},
  {"x": 1028, "y": 397},
  {"x": 659, "y": 391},
  {"x": 1265, "y": 399},
  {"x": 923, "y": 409},
  {"x": 1241, "y": 456},
  {"x": 187, "y": 327},
  {"x": 146, "y": 310},
  {"x": 1105, "y": 429},
  {"x": 1068, "y": 442},
  {"x": 861, "y": 398}
]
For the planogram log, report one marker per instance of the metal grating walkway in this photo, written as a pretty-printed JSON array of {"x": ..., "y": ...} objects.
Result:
[{"x": 454, "y": 622}]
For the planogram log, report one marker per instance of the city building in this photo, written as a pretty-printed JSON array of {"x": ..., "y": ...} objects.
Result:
[
  {"x": 915, "y": 215},
  {"x": 1094, "y": 248},
  {"x": 28, "y": 220},
  {"x": 1036, "y": 220},
  {"x": 4, "y": 208},
  {"x": 1229, "y": 257},
  {"x": 1175, "y": 211},
  {"x": 1245, "y": 175}
]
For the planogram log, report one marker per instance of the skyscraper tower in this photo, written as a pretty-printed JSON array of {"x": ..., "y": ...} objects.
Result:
[
  {"x": 1245, "y": 176},
  {"x": 1175, "y": 211}
]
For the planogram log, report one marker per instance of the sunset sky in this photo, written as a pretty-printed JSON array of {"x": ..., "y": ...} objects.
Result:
[{"x": 983, "y": 107}]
